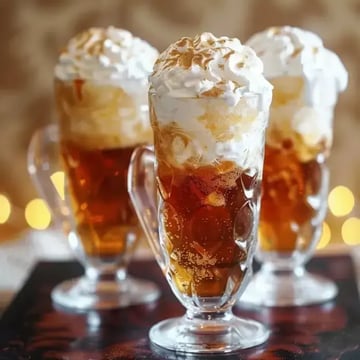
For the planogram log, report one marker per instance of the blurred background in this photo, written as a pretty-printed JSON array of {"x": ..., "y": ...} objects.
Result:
[{"x": 33, "y": 31}]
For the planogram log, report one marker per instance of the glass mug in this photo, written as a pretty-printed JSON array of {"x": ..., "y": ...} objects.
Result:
[
  {"x": 293, "y": 208},
  {"x": 96, "y": 214},
  {"x": 202, "y": 223}
]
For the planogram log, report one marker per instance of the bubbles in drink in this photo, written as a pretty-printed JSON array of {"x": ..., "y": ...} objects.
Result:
[
  {"x": 210, "y": 228},
  {"x": 291, "y": 193},
  {"x": 172, "y": 223},
  {"x": 244, "y": 222},
  {"x": 205, "y": 211}
]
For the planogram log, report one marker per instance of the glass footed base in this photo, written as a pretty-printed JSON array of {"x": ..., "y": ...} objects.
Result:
[
  {"x": 288, "y": 288},
  {"x": 80, "y": 294},
  {"x": 208, "y": 336}
]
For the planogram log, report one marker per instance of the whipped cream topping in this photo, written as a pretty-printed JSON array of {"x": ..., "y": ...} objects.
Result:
[
  {"x": 207, "y": 66},
  {"x": 292, "y": 51},
  {"x": 107, "y": 56},
  {"x": 307, "y": 79}
]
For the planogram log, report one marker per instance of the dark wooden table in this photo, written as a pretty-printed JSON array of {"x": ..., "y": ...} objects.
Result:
[{"x": 31, "y": 328}]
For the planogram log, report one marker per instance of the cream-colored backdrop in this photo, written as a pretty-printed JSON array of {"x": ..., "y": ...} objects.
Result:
[{"x": 32, "y": 32}]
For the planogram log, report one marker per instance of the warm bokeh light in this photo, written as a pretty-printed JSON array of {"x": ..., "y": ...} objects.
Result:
[
  {"x": 37, "y": 214},
  {"x": 341, "y": 201},
  {"x": 350, "y": 231},
  {"x": 5, "y": 209},
  {"x": 58, "y": 179},
  {"x": 325, "y": 236}
]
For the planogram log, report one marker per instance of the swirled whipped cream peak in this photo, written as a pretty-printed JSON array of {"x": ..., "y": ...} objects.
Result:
[
  {"x": 292, "y": 51},
  {"x": 106, "y": 55},
  {"x": 207, "y": 66}
]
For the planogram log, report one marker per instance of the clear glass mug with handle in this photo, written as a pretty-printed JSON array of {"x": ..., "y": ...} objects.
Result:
[
  {"x": 96, "y": 214},
  {"x": 202, "y": 222},
  {"x": 294, "y": 198}
]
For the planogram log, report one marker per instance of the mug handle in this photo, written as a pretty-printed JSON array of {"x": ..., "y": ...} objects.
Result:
[
  {"x": 42, "y": 162},
  {"x": 141, "y": 184}
]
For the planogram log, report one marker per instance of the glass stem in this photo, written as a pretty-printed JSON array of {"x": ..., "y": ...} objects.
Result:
[
  {"x": 208, "y": 316},
  {"x": 279, "y": 271},
  {"x": 106, "y": 273}
]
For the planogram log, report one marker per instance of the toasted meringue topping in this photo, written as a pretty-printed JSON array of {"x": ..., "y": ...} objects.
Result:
[
  {"x": 108, "y": 56},
  {"x": 295, "y": 52},
  {"x": 307, "y": 79},
  {"x": 207, "y": 66}
]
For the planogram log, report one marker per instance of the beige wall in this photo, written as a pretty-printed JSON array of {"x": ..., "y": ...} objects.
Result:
[{"x": 32, "y": 32}]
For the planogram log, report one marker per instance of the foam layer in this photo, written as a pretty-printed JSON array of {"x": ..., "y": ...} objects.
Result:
[
  {"x": 102, "y": 116},
  {"x": 307, "y": 79},
  {"x": 208, "y": 131}
]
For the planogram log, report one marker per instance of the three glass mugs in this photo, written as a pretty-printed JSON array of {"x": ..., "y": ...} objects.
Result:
[
  {"x": 96, "y": 214},
  {"x": 202, "y": 224}
]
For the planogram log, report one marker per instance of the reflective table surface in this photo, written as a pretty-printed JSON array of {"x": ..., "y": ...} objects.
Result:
[{"x": 32, "y": 328}]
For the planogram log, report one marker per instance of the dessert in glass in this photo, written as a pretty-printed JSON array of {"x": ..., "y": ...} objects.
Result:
[
  {"x": 101, "y": 86},
  {"x": 209, "y": 108},
  {"x": 307, "y": 79}
]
